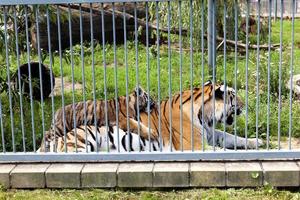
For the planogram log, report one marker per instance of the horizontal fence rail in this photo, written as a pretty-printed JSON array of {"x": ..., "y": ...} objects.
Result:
[
  {"x": 43, "y": 2},
  {"x": 149, "y": 80}
]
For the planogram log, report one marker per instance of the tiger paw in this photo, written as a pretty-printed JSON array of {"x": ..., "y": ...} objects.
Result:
[
  {"x": 154, "y": 135},
  {"x": 252, "y": 143}
]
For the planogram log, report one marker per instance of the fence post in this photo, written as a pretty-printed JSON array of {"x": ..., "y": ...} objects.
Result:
[
  {"x": 210, "y": 35},
  {"x": 275, "y": 10}
]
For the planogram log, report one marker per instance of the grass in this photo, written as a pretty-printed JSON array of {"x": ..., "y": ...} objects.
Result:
[
  {"x": 216, "y": 194},
  {"x": 243, "y": 126},
  {"x": 287, "y": 32}
]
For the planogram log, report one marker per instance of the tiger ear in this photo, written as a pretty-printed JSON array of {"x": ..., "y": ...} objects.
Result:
[
  {"x": 139, "y": 91},
  {"x": 219, "y": 92},
  {"x": 207, "y": 83},
  {"x": 222, "y": 88}
]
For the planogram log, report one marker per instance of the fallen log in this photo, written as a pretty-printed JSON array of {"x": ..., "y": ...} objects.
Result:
[
  {"x": 75, "y": 29},
  {"x": 108, "y": 16},
  {"x": 129, "y": 18},
  {"x": 250, "y": 46}
]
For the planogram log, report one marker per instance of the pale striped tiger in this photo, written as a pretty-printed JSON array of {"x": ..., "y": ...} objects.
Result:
[
  {"x": 91, "y": 139},
  {"x": 138, "y": 99}
]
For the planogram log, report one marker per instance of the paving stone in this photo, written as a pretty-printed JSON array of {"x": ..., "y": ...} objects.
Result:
[
  {"x": 171, "y": 175},
  {"x": 135, "y": 175},
  {"x": 5, "y": 170},
  {"x": 244, "y": 174},
  {"x": 281, "y": 174},
  {"x": 102, "y": 175},
  {"x": 207, "y": 174},
  {"x": 29, "y": 176},
  {"x": 63, "y": 176}
]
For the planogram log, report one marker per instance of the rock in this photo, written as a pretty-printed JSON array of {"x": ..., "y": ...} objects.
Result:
[{"x": 295, "y": 85}]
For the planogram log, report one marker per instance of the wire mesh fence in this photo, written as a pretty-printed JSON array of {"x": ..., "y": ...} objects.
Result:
[{"x": 148, "y": 80}]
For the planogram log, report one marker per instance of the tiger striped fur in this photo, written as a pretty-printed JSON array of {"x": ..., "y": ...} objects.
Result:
[
  {"x": 194, "y": 100},
  {"x": 139, "y": 98},
  {"x": 188, "y": 122},
  {"x": 102, "y": 139}
]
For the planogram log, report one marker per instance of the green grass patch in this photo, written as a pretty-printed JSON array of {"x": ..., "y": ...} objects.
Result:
[{"x": 216, "y": 194}]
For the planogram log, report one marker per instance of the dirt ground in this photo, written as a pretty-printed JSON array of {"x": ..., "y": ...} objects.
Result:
[
  {"x": 295, "y": 143},
  {"x": 67, "y": 86}
]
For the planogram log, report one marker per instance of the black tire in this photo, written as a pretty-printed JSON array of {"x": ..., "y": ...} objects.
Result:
[{"x": 35, "y": 76}]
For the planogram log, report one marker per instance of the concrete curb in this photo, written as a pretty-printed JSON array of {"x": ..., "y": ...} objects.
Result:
[{"x": 151, "y": 175}]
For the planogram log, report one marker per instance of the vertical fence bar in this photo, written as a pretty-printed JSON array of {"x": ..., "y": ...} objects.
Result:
[
  {"x": 19, "y": 79},
  {"x": 116, "y": 74},
  {"x": 30, "y": 80},
  {"x": 148, "y": 71},
  {"x": 257, "y": 73},
  {"x": 40, "y": 71},
  {"x": 280, "y": 73},
  {"x": 275, "y": 10},
  {"x": 192, "y": 74},
  {"x": 72, "y": 72},
  {"x": 137, "y": 67},
  {"x": 224, "y": 63},
  {"x": 62, "y": 78},
  {"x": 170, "y": 77},
  {"x": 291, "y": 75},
  {"x": 214, "y": 70},
  {"x": 105, "y": 79},
  {"x": 51, "y": 71},
  {"x": 93, "y": 76},
  {"x": 202, "y": 74},
  {"x": 127, "y": 78},
  {"x": 9, "y": 82},
  {"x": 2, "y": 129},
  {"x": 180, "y": 71},
  {"x": 158, "y": 73},
  {"x": 235, "y": 68},
  {"x": 247, "y": 65},
  {"x": 83, "y": 77},
  {"x": 269, "y": 75}
]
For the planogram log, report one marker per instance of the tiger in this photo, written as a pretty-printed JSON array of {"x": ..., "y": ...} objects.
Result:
[
  {"x": 192, "y": 99},
  {"x": 103, "y": 139},
  {"x": 138, "y": 99},
  {"x": 206, "y": 121}
]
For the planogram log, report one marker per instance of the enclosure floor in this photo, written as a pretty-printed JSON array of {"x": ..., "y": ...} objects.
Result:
[{"x": 151, "y": 174}]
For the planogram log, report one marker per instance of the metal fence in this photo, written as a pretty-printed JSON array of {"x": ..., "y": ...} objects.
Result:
[
  {"x": 96, "y": 52},
  {"x": 276, "y": 8}
]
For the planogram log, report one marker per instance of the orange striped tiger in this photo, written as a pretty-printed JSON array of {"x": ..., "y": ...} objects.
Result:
[
  {"x": 221, "y": 115},
  {"x": 139, "y": 98}
]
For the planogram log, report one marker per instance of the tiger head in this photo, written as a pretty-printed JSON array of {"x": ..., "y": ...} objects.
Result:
[
  {"x": 222, "y": 112},
  {"x": 142, "y": 101}
]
